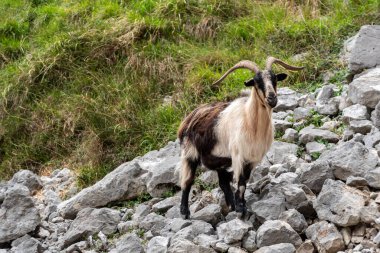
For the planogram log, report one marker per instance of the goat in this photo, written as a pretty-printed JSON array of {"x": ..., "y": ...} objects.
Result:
[{"x": 231, "y": 137}]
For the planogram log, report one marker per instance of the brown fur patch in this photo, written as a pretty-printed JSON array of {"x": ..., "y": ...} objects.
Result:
[{"x": 199, "y": 125}]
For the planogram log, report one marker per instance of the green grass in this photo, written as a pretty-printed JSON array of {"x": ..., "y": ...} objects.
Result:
[{"x": 85, "y": 84}]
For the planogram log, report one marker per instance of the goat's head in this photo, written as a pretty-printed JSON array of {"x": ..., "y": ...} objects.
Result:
[{"x": 265, "y": 81}]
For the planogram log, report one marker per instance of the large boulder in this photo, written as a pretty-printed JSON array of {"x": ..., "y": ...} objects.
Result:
[
  {"x": 325, "y": 237},
  {"x": 339, "y": 203},
  {"x": 314, "y": 175},
  {"x": 365, "y": 89},
  {"x": 277, "y": 231},
  {"x": 18, "y": 214},
  {"x": 363, "y": 50},
  {"x": 350, "y": 159},
  {"x": 28, "y": 179},
  {"x": 153, "y": 172},
  {"x": 91, "y": 221}
]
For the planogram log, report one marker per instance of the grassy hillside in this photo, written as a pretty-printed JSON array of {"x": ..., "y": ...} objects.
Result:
[{"x": 91, "y": 84}]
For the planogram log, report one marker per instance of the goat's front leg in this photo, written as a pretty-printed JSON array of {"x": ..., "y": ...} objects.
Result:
[{"x": 242, "y": 179}]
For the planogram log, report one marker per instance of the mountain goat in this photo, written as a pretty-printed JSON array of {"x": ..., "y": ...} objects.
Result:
[{"x": 231, "y": 137}]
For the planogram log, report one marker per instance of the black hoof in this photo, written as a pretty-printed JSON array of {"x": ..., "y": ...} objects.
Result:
[
  {"x": 241, "y": 210},
  {"x": 185, "y": 212}
]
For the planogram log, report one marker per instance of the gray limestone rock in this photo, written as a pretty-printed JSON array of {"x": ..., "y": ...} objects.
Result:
[
  {"x": 276, "y": 231},
  {"x": 355, "y": 112},
  {"x": 363, "y": 50},
  {"x": 158, "y": 244},
  {"x": 314, "y": 175},
  {"x": 128, "y": 243},
  {"x": 339, "y": 203},
  {"x": 28, "y": 179},
  {"x": 185, "y": 246},
  {"x": 277, "y": 248},
  {"x": 290, "y": 135},
  {"x": 326, "y": 237},
  {"x": 280, "y": 150},
  {"x": 315, "y": 147},
  {"x": 295, "y": 219},
  {"x": 361, "y": 126},
  {"x": 154, "y": 172},
  {"x": 375, "y": 116},
  {"x": 211, "y": 213},
  {"x": 26, "y": 244},
  {"x": 91, "y": 221},
  {"x": 18, "y": 214},
  {"x": 350, "y": 159},
  {"x": 365, "y": 89},
  {"x": 287, "y": 99},
  {"x": 233, "y": 231},
  {"x": 373, "y": 177},
  {"x": 310, "y": 133},
  {"x": 249, "y": 241}
]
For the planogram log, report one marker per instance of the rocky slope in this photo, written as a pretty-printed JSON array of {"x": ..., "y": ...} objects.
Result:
[{"x": 317, "y": 189}]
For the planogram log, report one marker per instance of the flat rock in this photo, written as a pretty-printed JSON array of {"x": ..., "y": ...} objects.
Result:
[
  {"x": 339, "y": 203},
  {"x": 326, "y": 237},
  {"x": 196, "y": 228},
  {"x": 301, "y": 113},
  {"x": 287, "y": 99},
  {"x": 309, "y": 134},
  {"x": 91, "y": 221},
  {"x": 361, "y": 126},
  {"x": 363, "y": 51},
  {"x": 249, "y": 241},
  {"x": 275, "y": 204},
  {"x": 276, "y": 231},
  {"x": 18, "y": 214}
]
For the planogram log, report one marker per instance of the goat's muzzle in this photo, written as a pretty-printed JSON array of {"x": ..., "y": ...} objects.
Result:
[{"x": 272, "y": 100}]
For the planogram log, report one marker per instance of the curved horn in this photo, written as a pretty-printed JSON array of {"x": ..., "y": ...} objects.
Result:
[
  {"x": 272, "y": 60},
  {"x": 240, "y": 65}
]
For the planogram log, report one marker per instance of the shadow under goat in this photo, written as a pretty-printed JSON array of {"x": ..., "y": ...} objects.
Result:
[{"x": 231, "y": 137}]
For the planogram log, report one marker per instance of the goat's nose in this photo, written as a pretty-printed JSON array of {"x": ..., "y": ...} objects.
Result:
[{"x": 271, "y": 95}]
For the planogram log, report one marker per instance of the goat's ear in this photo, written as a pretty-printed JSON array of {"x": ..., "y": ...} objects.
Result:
[
  {"x": 250, "y": 82},
  {"x": 281, "y": 77}
]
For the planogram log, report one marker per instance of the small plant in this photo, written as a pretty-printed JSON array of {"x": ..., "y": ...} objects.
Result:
[
  {"x": 300, "y": 151},
  {"x": 140, "y": 232},
  {"x": 322, "y": 141},
  {"x": 278, "y": 134},
  {"x": 315, "y": 155}
]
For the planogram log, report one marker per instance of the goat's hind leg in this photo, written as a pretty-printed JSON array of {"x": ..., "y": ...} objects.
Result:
[
  {"x": 242, "y": 184},
  {"x": 225, "y": 179},
  {"x": 188, "y": 168}
]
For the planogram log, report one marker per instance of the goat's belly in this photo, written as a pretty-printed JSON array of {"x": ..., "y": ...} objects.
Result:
[{"x": 216, "y": 162}]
